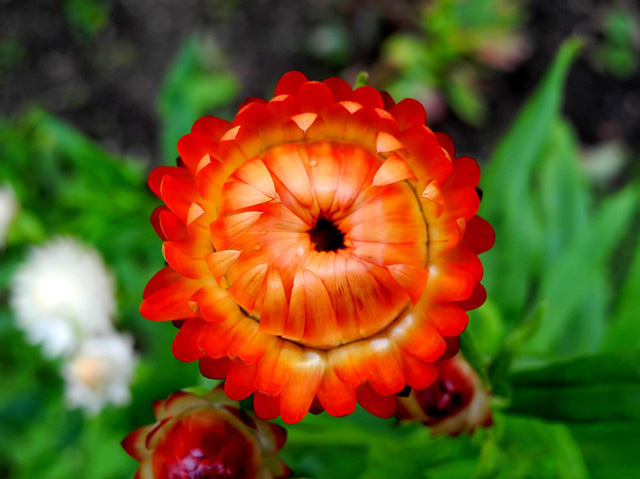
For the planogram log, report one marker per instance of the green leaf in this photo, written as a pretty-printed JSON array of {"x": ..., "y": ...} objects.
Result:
[
  {"x": 472, "y": 354},
  {"x": 198, "y": 83},
  {"x": 610, "y": 449},
  {"x": 567, "y": 282},
  {"x": 533, "y": 449},
  {"x": 589, "y": 388},
  {"x": 624, "y": 332},
  {"x": 511, "y": 346},
  {"x": 507, "y": 201}
]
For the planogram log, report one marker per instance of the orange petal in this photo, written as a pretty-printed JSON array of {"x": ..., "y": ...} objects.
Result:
[
  {"x": 266, "y": 407},
  {"x": 394, "y": 169},
  {"x": 290, "y": 83},
  {"x": 227, "y": 229},
  {"x": 170, "y": 302},
  {"x": 187, "y": 257},
  {"x": 388, "y": 365},
  {"x": 246, "y": 289},
  {"x": 304, "y": 120},
  {"x": 185, "y": 344},
  {"x": 285, "y": 163},
  {"x": 295, "y": 325},
  {"x": 275, "y": 308},
  {"x": 215, "y": 368},
  {"x": 386, "y": 143},
  {"x": 275, "y": 367},
  {"x": 237, "y": 195},
  {"x": 320, "y": 324},
  {"x": 449, "y": 319},
  {"x": 301, "y": 388},
  {"x": 412, "y": 278},
  {"x": 178, "y": 196},
  {"x": 409, "y": 112},
  {"x": 336, "y": 397},
  {"x": 376, "y": 404},
  {"x": 219, "y": 262},
  {"x": 415, "y": 335},
  {"x": 256, "y": 174},
  {"x": 419, "y": 375},
  {"x": 211, "y": 127},
  {"x": 239, "y": 383},
  {"x": 214, "y": 303}
]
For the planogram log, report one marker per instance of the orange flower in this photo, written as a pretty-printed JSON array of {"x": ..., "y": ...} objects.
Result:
[
  {"x": 456, "y": 402},
  {"x": 319, "y": 248},
  {"x": 207, "y": 436}
]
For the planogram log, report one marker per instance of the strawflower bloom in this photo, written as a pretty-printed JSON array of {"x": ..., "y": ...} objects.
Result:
[
  {"x": 100, "y": 373},
  {"x": 319, "y": 248},
  {"x": 454, "y": 403},
  {"x": 61, "y": 294},
  {"x": 206, "y": 437}
]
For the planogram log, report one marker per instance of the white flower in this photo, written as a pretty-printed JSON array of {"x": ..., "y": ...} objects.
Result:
[
  {"x": 61, "y": 294},
  {"x": 100, "y": 373},
  {"x": 8, "y": 209}
]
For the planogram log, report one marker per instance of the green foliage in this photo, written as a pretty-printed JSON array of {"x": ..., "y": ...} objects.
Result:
[
  {"x": 618, "y": 51},
  {"x": 558, "y": 340},
  {"x": 198, "y": 83},
  {"x": 87, "y": 17},
  {"x": 600, "y": 387},
  {"x": 458, "y": 43}
]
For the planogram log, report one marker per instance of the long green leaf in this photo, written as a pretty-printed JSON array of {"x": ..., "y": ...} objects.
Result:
[
  {"x": 625, "y": 328},
  {"x": 589, "y": 388},
  {"x": 507, "y": 201},
  {"x": 572, "y": 276}
]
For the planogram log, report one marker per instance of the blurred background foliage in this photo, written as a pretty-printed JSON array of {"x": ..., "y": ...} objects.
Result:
[{"x": 96, "y": 92}]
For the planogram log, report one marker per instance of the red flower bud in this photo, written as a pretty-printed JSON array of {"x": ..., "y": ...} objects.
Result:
[
  {"x": 456, "y": 402},
  {"x": 206, "y": 437}
]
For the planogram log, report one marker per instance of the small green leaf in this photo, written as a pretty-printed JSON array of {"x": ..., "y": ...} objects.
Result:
[{"x": 362, "y": 79}]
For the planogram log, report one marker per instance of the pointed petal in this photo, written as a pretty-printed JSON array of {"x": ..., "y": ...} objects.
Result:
[
  {"x": 412, "y": 278},
  {"x": 219, "y": 262},
  {"x": 394, "y": 169},
  {"x": 227, "y": 229},
  {"x": 246, "y": 289},
  {"x": 386, "y": 143}
]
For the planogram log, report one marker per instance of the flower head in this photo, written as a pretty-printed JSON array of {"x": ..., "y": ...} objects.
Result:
[
  {"x": 100, "y": 372},
  {"x": 197, "y": 437},
  {"x": 455, "y": 402},
  {"x": 319, "y": 248},
  {"x": 61, "y": 294}
]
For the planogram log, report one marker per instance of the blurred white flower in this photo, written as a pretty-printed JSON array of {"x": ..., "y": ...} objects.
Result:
[
  {"x": 100, "y": 373},
  {"x": 61, "y": 294},
  {"x": 8, "y": 209}
]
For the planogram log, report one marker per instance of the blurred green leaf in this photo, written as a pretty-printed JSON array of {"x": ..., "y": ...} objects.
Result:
[
  {"x": 603, "y": 387},
  {"x": 610, "y": 449},
  {"x": 501, "y": 365},
  {"x": 507, "y": 201},
  {"x": 569, "y": 279},
  {"x": 532, "y": 449},
  {"x": 465, "y": 97},
  {"x": 470, "y": 350},
  {"x": 197, "y": 83},
  {"x": 624, "y": 332}
]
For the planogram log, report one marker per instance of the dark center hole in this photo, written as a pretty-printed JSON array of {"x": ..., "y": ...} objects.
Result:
[{"x": 326, "y": 236}]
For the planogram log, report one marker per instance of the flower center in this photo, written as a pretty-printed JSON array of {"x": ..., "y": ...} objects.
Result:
[
  {"x": 320, "y": 255},
  {"x": 326, "y": 236}
]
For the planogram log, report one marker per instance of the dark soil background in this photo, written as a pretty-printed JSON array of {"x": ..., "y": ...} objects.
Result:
[{"x": 106, "y": 82}]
